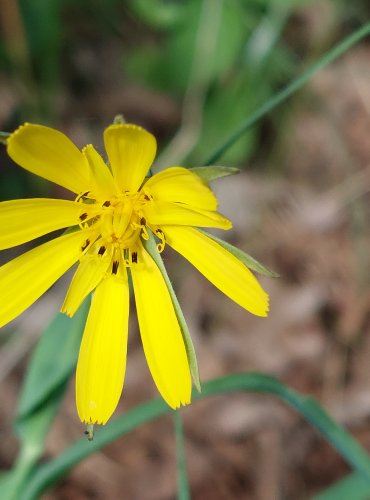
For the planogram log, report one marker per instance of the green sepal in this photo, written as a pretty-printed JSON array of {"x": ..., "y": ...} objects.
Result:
[
  {"x": 119, "y": 120},
  {"x": 248, "y": 260},
  {"x": 151, "y": 247},
  {"x": 4, "y": 137},
  {"x": 211, "y": 173}
]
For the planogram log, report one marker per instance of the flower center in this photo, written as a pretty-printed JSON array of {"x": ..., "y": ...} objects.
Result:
[{"x": 114, "y": 226}]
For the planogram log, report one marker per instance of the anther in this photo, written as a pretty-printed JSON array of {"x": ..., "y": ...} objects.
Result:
[
  {"x": 143, "y": 221},
  {"x": 106, "y": 203},
  {"x": 134, "y": 257},
  {"x": 83, "y": 216},
  {"x": 161, "y": 236},
  {"x": 115, "y": 267},
  {"x": 144, "y": 233},
  {"x": 146, "y": 197},
  {"x": 82, "y": 195},
  {"x": 85, "y": 245},
  {"x": 102, "y": 250}
]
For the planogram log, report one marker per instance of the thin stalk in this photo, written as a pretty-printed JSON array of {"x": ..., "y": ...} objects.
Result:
[{"x": 290, "y": 89}]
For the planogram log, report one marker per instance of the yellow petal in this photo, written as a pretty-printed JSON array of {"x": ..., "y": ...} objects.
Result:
[
  {"x": 160, "y": 333},
  {"x": 218, "y": 265},
  {"x": 131, "y": 151},
  {"x": 88, "y": 275},
  {"x": 24, "y": 279},
  {"x": 177, "y": 184},
  {"x": 102, "y": 183},
  {"x": 24, "y": 220},
  {"x": 102, "y": 359},
  {"x": 158, "y": 213},
  {"x": 50, "y": 154}
]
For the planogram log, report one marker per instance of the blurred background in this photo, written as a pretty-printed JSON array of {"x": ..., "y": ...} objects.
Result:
[{"x": 190, "y": 71}]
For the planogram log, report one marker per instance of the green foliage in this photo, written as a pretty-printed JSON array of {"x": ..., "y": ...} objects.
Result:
[
  {"x": 48, "y": 373},
  {"x": 353, "y": 487},
  {"x": 233, "y": 76},
  {"x": 47, "y": 474}
]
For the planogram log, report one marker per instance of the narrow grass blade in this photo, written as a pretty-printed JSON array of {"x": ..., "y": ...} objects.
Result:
[{"x": 295, "y": 85}]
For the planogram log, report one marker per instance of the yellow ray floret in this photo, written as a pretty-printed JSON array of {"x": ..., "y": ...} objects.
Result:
[
  {"x": 102, "y": 359},
  {"x": 50, "y": 154},
  {"x": 160, "y": 333},
  {"x": 25, "y": 220},
  {"x": 220, "y": 267}
]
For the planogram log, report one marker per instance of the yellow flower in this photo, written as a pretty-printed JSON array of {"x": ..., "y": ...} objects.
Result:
[{"x": 116, "y": 211}]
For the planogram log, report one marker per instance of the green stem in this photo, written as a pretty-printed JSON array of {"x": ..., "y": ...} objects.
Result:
[
  {"x": 295, "y": 85},
  {"x": 183, "y": 492}
]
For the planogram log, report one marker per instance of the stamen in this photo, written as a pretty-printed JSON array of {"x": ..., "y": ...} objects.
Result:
[
  {"x": 161, "y": 236},
  {"x": 115, "y": 266},
  {"x": 85, "y": 245},
  {"x": 102, "y": 250},
  {"x": 82, "y": 195},
  {"x": 144, "y": 233}
]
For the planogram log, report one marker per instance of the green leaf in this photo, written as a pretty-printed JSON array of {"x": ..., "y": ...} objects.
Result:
[
  {"x": 47, "y": 377},
  {"x": 151, "y": 248},
  {"x": 352, "y": 487},
  {"x": 213, "y": 172},
  {"x": 308, "y": 407},
  {"x": 249, "y": 261},
  {"x": 34, "y": 431},
  {"x": 53, "y": 361}
]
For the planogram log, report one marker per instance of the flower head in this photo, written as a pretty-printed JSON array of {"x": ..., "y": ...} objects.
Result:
[{"x": 116, "y": 211}]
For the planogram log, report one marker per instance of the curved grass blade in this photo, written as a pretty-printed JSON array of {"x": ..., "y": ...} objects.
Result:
[
  {"x": 295, "y": 85},
  {"x": 336, "y": 435}
]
